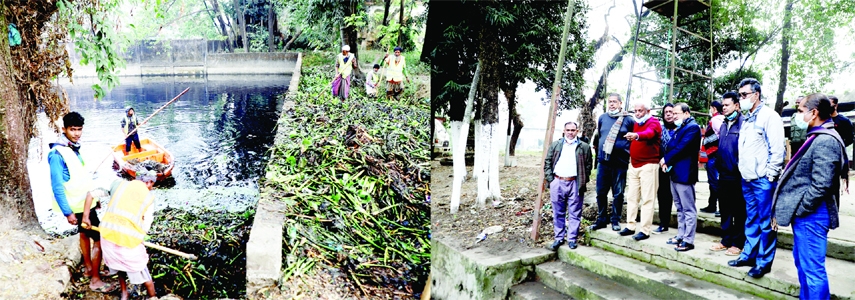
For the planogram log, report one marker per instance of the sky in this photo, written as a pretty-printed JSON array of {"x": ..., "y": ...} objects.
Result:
[{"x": 535, "y": 113}]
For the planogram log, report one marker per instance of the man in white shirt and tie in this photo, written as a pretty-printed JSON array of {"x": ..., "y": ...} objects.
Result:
[{"x": 567, "y": 168}]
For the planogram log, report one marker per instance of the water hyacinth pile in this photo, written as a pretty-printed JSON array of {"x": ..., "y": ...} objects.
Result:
[
  {"x": 217, "y": 238},
  {"x": 354, "y": 176}
]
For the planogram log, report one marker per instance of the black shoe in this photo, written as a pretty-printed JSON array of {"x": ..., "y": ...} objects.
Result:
[
  {"x": 660, "y": 230},
  {"x": 555, "y": 245},
  {"x": 740, "y": 263},
  {"x": 626, "y": 232},
  {"x": 684, "y": 246},
  {"x": 708, "y": 209},
  {"x": 674, "y": 241},
  {"x": 717, "y": 214},
  {"x": 615, "y": 227},
  {"x": 572, "y": 245},
  {"x": 758, "y": 272},
  {"x": 640, "y": 236},
  {"x": 596, "y": 227}
]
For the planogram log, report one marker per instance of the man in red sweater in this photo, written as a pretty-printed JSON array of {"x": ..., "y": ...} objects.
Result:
[{"x": 642, "y": 178}]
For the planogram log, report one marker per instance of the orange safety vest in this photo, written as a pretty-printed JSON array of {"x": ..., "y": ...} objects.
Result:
[{"x": 122, "y": 222}]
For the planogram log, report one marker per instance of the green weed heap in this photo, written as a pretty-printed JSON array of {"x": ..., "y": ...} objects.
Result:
[{"x": 354, "y": 176}]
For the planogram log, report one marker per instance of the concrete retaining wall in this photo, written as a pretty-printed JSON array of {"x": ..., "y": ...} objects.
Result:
[
  {"x": 476, "y": 274},
  {"x": 264, "y": 248},
  {"x": 191, "y": 58}
]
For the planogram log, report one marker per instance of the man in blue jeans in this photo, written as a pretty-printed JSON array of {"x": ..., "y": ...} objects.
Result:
[
  {"x": 613, "y": 161},
  {"x": 761, "y": 156}
]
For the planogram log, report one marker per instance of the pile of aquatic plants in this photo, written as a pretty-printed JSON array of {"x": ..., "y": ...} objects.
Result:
[
  {"x": 217, "y": 238},
  {"x": 354, "y": 176}
]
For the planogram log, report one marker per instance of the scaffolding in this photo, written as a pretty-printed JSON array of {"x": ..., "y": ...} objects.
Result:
[{"x": 677, "y": 11}]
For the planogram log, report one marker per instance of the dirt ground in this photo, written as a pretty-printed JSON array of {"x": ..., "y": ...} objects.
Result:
[{"x": 519, "y": 190}]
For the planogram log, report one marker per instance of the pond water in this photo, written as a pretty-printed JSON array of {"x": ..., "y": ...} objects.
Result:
[{"x": 219, "y": 133}]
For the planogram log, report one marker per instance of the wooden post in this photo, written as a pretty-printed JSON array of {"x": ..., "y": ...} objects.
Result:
[{"x": 550, "y": 128}]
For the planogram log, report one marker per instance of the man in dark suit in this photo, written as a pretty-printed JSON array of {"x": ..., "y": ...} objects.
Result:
[{"x": 681, "y": 161}]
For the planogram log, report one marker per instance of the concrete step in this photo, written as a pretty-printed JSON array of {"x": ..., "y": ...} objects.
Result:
[
  {"x": 841, "y": 241},
  {"x": 534, "y": 290},
  {"x": 583, "y": 284},
  {"x": 644, "y": 278},
  {"x": 781, "y": 283}
]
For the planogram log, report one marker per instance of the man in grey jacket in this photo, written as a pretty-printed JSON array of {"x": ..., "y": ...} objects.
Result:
[
  {"x": 808, "y": 196},
  {"x": 567, "y": 166},
  {"x": 761, "y": 156}
]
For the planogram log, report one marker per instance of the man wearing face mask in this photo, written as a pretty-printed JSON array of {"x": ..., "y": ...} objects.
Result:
[
  {"x": 798, "y": 129},
  {"x": 567, "y": 168},
  {"x": 732, "y": 203},
  {"x": 613, "y": 160},
  {"x": 642, "y": 179},
  {"x": 681, "y": 162},
  {"x": 761, "y": 156},
  {"x": 663, "y": 193}
]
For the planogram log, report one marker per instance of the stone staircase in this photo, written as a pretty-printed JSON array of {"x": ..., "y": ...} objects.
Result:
[{"x": 618, "y": 267}]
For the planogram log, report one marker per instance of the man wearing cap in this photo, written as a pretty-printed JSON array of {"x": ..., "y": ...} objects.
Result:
[
  {"x": 129, "y": 123},
  {"x": 126, "y": 222},
  {"x": 344, "y": 64},
  {"x": 71, "y": 182},
  {"x": 396, "y": 72}
]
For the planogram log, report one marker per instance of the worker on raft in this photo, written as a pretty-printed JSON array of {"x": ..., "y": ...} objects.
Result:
[
  {"x": 129, "y": 123},
  {"x": 127, "y": 219},
  {"x": 71, "y": 183}
]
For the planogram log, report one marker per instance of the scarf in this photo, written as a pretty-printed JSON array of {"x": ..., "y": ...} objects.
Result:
[
  {"x": 63, "y": 140},
  {"x": 610, "y": 140},
  {"x": 844, "y": 172}
]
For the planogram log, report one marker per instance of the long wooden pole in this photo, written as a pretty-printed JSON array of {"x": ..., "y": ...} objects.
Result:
[
  {"x": 556, "y": 88},
  {"x": 143, "y": 123},
  {"x": 151, "y": 245}
]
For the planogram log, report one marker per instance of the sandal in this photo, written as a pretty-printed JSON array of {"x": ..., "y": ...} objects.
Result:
[
  {"x": 684, "y": 247},
  {"x": 674, "y": 241},
  {"x": 103, "y": 273},
  {"x": 718, "y": 247},
  {"x": 733, "y": 251},
  {"x": 106, "y": 288}
]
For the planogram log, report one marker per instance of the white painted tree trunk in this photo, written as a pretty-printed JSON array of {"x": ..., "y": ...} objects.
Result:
[
  {"x": 458, "y": 156},
  {"x": 482, "y": 161},
  {"x": 479, "y": 144},
  {"x": 491, "y": 144}
]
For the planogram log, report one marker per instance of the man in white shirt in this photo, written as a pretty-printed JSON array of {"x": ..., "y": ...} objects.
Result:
[{"x": 567, "y": 168}]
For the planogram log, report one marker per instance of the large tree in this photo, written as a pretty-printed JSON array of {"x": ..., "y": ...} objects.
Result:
[{"x": 26, "y": 72}]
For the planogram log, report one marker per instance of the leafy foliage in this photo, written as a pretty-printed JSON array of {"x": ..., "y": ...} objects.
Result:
[{"x": 528, "y": 36}]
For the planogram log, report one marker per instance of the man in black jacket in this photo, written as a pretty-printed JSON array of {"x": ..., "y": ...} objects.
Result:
[
  {"x": 841, "y": 124},
  {"x": 732, "y": 202}
]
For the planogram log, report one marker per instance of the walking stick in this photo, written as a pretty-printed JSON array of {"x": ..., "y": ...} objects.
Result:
[
  {"x": 143, "y": 123},
  {"x": 150, "y": 245}
]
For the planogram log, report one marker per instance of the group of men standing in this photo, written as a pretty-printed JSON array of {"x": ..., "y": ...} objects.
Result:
[
  {"x": 395, "y": 67},
  {"x": 746, "y": 147}
]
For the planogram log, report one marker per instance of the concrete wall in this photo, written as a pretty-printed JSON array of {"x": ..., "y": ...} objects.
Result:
[
  {"x": 192, "y": 58},
  {"x": 476, "y": 274}
]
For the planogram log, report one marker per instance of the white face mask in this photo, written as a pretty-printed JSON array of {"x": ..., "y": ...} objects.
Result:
[
  {"x": 678, "y": 122},
  {"x": 614, "y": 112},
  {"x": 800, "y": 121},
  {"x": 641, "y": 120},
  {"x": 746, "y": 104}
]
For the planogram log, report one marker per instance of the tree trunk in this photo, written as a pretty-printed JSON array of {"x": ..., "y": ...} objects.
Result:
[
  {"x": 386, "y": 12},
  {"x": 510, "y": 96},
  {"x": 241, "y": 24},
  {"x": 586, "y": 116},
  {"x": 401, "y": 25},
  {"x": 224, "y": 24},
  {"x": 785, "y": 55},
  {"x": 270, "y": 36},
  {"x": 350, "y": 38},
  {"x": 459, "y": 137},
  {"x": 293, "y": 38},
  {"x": 16, "y": 197},
  {"x": 488, "y": 89}
]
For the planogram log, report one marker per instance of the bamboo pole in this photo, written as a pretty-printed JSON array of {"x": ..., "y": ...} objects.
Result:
[
  {"x": 551, "y": 122},
  {"x": 150, "y": 245}
]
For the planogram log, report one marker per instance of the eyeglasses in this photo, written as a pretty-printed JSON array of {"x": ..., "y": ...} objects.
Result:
[
  {"x": 744, "y": 95},
  {"x": 570, "y": 130}
]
